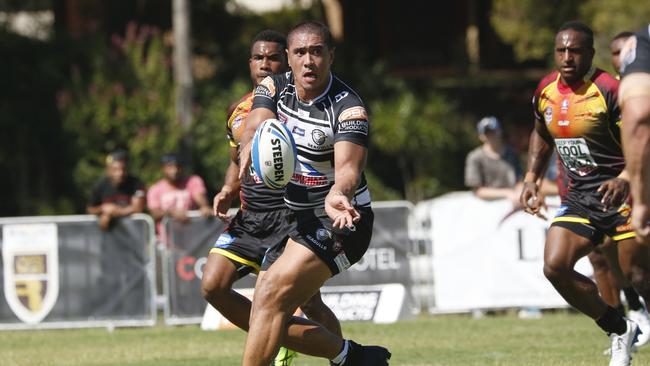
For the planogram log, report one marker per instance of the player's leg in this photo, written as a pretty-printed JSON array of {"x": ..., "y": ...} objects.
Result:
[
  {"x": 289, "y": 282},
  {"x": 635, "y": 263},
  {"x": 604, "y": 277},
  {"x": 219, "y": 274},
  {"x": 316, "y": 310},
  {"x": 562, "y": 250}
]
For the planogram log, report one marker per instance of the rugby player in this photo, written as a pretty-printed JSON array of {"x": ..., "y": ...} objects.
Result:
[
  {"x": 331, "y": 209},
  {"x": 575, "y": 111},
  {"x": 635, "y": 102},
  {"x": 259, "y": 223}
]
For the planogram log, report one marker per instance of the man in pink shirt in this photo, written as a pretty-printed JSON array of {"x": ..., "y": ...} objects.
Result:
[{"x": 175, "y": 194}]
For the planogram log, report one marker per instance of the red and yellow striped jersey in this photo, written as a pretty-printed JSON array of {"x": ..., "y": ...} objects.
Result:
[{"x": 584, "y": 121}]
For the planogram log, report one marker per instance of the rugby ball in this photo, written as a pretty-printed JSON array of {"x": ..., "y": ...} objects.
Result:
[{"x": 273, "y": 153}]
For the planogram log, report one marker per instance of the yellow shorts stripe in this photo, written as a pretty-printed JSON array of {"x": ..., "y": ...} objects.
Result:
[
  {"x": 236, "y": 258},
  {"x": 624, "y": 236},
  {"x": 579, "y": 220}
]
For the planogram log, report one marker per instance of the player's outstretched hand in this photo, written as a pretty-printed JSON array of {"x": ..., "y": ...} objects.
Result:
[
  {"x": 221, "y": 204},
  {"x": 641, "y": 222},
  {"x": 339, "y": 209},
  {"x": 530, "y": 200},
  {"x": 615, "y": 192}
]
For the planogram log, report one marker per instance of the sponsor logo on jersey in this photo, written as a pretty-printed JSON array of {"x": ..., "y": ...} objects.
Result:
[
  {"x": 236, "y": 123},
  {"x": 354, "y": 126},
  {"x": 318, "y": 136},
  {"x": 298, "y": 131},
  {"x": 266, "y": 88},
  {"x": 309, "y": 181},
  {"x": 341, "y": 95},
  {"x": 31, "y": 270},
  {"x": 352, "y": 113},
  {"x": 565, "y": 106},
  {"x": 548, "y": 114}
]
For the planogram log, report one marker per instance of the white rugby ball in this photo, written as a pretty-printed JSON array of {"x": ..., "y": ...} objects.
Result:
[{"x": 274, "y": 153}]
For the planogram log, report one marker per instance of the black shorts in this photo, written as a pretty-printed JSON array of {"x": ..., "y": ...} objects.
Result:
[
  {"x": 339, "y": 249},
  {"x": 582, "y": 213},
  {"x": 638, "y": 59},
  {"x": 249, "y": 235}
]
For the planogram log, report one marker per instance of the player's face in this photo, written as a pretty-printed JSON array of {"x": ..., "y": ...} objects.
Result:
[
  {"x": 171, "y": 172},
  {"x": 572, "y": 55},
  {"x": 310, "y": 60},
  {"x": 117, "y": 172},
  {"x": 267, "y": 58},
  {"x": 615, "y": 49}
]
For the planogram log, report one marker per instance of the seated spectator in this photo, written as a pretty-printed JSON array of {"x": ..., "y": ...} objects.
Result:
[
  {"x": 175, "y": 193},
  {"x": 117, "y": 194},
  {"x": 492, "y": 170}
]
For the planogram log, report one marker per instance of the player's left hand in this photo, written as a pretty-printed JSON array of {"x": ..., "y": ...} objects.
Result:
[
  {"x": 339, "y": 209},
  {"x": 615, "y": 191}
]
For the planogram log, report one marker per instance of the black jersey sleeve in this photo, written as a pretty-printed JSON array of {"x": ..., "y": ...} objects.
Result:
[
  {"x": 635, "y": 56},
  {"x": 267, "y": 92},
  {"x": 352, "y": 122}
]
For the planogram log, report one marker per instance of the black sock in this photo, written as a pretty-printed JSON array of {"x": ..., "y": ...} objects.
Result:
[
  {"x": 612, "y": 322},
  {"x": 632, "y": 297},
  {"x": 621, "y": 309}
]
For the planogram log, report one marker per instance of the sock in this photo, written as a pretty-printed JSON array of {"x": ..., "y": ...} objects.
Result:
[
  {"x": 612, "y": 322},
  {"x": 338, "y": 360},
  {"x": 632, "y": 299},
  {"x": 621, "y": 309}
]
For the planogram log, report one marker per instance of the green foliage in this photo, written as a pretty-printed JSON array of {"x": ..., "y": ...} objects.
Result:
[
  {"x": 126, "y": 101},
  {"x": 418, "y": 131}
]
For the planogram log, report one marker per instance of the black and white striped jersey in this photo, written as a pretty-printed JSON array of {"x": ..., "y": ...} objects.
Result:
[{"x": 336, "y": 115}]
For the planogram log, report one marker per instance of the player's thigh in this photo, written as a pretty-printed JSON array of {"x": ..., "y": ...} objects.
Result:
[
  {"x": 219, "y": 273},
  {"x": 633, "y": 257},
  {"x": 564, "y": 248},
  {"x": 294, "y": 277}
]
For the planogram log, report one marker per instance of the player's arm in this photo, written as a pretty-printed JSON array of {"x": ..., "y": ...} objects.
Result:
[
  {"x": 254, "y": 119},
  {"x": 349, "y": 162},
  {"x": 539, "y": 151},
  {"x": 231, "y": 185},
  {"x": 635, "y": 133}
]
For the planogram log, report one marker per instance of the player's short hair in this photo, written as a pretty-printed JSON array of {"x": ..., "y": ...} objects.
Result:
[
  {"x": 269, "y": 35},
  {"x": 581, "y": 27},
  {"x": 624, "y": 34},
  {"x": 313, "y": 26},
  {"x": 117, "y": 155}
]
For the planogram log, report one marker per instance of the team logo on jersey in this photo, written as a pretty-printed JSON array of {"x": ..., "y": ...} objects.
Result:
[
  {"x": 318, "y": 136},
  {"x": 565, "y": 106},
  {"x": 341, "y": 95},
  {"x": 356, "y": 112},
  {"x": 31, "y": 269},
  {"x": 628, "y": 53},
  {"x": 548, "y": 114}
]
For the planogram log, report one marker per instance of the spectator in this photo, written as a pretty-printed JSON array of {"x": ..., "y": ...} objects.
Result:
[
  {"x": 117, "y": 194},
  {"x": 175, "y": 193},
  {"x": 492, "y": 170}
]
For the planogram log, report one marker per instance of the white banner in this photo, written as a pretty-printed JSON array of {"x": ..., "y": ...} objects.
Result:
[{"x": 487, "y": 255}]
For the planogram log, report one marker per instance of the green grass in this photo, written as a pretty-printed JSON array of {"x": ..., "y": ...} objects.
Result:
[{"x": 555, "y": 340}]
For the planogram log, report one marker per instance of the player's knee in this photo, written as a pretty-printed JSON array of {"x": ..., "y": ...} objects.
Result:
[
  {"x": 554, "y": 272},
  {"x": 639, "y": 279},
  {"x": 213, "y": 287}
]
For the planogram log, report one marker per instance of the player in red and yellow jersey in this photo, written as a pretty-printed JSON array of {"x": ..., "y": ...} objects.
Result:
[{"x": 576, "y": 111}]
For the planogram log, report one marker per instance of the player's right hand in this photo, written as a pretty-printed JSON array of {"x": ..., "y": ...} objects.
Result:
[
  {"x": 221, "y": 204},
  {"x": 530, "y": 200}
]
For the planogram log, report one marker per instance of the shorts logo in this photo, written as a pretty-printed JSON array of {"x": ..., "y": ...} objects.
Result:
[
  {"x": 224, "y": 239},
  {"x": 548, "y": 114},
  {"x": 318, "y": 136},
  {"x": 323, "y": 234},
  {"x": 31, "y": 269},
  {"x": 561, "y": 211}
]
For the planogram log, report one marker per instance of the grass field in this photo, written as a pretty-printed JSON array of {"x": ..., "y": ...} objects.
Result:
[{"x": 555, "y": 340}]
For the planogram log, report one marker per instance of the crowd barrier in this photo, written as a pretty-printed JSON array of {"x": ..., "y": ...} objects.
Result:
[
  {"x": 487, "y": 255},
  {"x": 64, "y": 272},
  {"x": 377, "y": 288}
]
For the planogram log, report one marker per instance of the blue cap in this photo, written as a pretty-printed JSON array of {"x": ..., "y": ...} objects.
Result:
[{"x": 487, "y": 123}]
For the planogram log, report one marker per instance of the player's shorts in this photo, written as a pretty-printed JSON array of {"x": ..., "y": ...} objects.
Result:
[
  {"x": 582, "y": 213},
  {"x": 338, "y": 248},
  {"x": 635, "y": 61},
  {"x": 249, "y": 235}
]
